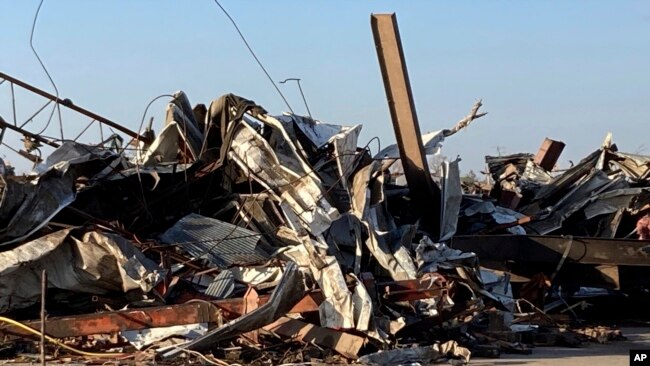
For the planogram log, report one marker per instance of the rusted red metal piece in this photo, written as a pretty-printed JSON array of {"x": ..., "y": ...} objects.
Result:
[
  {"x": 201, "y": 311},
  {"x": 251, "y": 302}
]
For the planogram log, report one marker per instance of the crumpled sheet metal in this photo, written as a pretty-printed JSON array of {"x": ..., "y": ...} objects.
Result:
[
  {"x": 28, "y": 206},
  {"x": 45, "y": 198},
  {"x": 368, "y": 203},
  {"x": 418, "y": 355},
  {"x": 99, "y": 263},
  {"x": 569, "y": 177},
  {"x": 145, "y": 337},
  {"x": 303, "y": 167},
  {"x": 585, "y": 191},
  {"x": 432, "y": 256},
  {"x": 73, "y": 153},
  {"x": 500, "y": 215},
  {"x": 256, "y": 157},
  {"x": 308, "y": 212},
  {"x": 180, "y": 125},
  {"x": 634, "y": 166},
  {"x": 288, "y": 292},
  {"x": 432, "y": 142},
  {"x": 164, "y": 148},
  {"x": 452, "y": 194}
]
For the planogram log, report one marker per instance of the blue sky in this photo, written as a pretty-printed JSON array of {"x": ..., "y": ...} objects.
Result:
[{"x": 566, "y": 70}]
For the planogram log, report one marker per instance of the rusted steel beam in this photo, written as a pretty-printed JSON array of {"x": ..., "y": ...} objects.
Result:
[
  {"x": 252, "y": 301},
  {"x": 111, "y": 322},
  {"x": 235, "y": 307},
  {"x": 425, "y": 194},
  {"x": 430, "y": 285},
  {"x": 4, "y": 124},
  {"x": 163, "y": 316},
  {"x": 68, "y": 103},
  {"x": 212, "y": 311}
]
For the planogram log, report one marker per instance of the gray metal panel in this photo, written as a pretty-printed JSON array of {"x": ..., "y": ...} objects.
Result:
[
  {"x": 222, "y": 286},
  {"x": 221, "y": 243}
]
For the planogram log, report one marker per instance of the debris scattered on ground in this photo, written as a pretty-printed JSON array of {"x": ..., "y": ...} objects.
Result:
[{"x": 236, "y": 236}]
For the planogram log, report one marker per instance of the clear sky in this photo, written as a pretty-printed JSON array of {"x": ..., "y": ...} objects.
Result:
[{"x": 566, "y": 70}]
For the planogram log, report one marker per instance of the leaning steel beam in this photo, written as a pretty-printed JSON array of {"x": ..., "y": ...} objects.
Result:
[
  {"x": 551, "y": 249},
  {"x": 4, "y": 124},
  {"x": 425, "y": 194},
  {"x": 68, "y": 103}
]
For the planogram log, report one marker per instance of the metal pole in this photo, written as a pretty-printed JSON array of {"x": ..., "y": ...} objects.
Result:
[
  {"x": 4, "y": 124},
  {"x": 13, "y": 103},
  {"x": 69, "y": 104},
  {"x": 301, "y": 93},
  {"x": 43, "y": 293},
  {"x": 424, "y": 193}
]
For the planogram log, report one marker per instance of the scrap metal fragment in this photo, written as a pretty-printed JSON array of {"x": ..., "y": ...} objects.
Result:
[
  {"x": 421, "y": 355},
  {"x": 222, "y": 285},
  {"x": 346, "y": 344},
  {"x": 211, "y": 312},
  {"x": 290, "y": 290},
  {"x": 99, "y": 263},
  {"x": 50, "y": 194},
  {"x": 221, "y": 243},
  {"x": 68, "y": 103},
  {"x": 144, "y": 337},
  {"x": 549, "y": 153}
]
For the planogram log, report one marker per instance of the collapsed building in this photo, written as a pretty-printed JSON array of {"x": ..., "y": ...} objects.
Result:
[{"x": 239, "y": 235}]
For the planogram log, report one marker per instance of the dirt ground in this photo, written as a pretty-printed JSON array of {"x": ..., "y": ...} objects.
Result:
[{"x": 612, "y": 354}]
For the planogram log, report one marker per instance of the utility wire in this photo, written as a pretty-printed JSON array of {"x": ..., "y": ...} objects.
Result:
[
  {"x": 56, "y": 90},
  {"x": 254, "y": 55},
  {"x": 301, "y": 93}
]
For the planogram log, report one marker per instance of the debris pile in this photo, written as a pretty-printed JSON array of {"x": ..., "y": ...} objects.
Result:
[
  {"x": 235, "y": 236},
  {"x": 235, "y": 224}
]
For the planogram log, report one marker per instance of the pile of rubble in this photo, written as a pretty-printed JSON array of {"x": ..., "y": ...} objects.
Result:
[
  {"x": 235, "y": 236},
  {"x": 255, "y": 238},
  {"x": 234, "y": 224}
]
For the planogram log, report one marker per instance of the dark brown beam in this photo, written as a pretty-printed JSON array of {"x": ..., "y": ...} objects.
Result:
[
  {"x": 425, "y": 194},
  {"x": 68, "y": 103},
  {"x": 549, "y": 249}
]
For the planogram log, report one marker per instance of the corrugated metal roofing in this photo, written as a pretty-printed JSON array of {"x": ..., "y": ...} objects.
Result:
[
  {"x": 222, "y": 286},
  {"x": 221, "y": 243}
]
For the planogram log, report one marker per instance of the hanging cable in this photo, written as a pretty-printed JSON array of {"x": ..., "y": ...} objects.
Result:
[
  {"x": 254, "y": 55},
  {"x": 301, "y": 93},
  {"x": 56, "y": 90}
]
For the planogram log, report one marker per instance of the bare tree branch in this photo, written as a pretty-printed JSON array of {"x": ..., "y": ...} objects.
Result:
[{"x": 473, "y": 114}]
